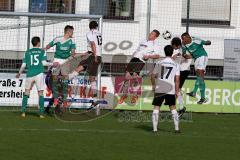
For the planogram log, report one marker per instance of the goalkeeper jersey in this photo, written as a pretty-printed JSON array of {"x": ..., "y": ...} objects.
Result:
[
  {"x": 33, "y": 59},
  {"x": 195, "y": 48},
  {"x": 63, "y": 47}
]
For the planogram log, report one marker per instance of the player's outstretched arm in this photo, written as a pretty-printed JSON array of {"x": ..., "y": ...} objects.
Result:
[
  {"x": 177, "y": 83},
  {"x": 23, "y": 66},
  {"x": 49, "y": 64},
  {"x": 154, "y": 56},
  {"x": 153, "y": 81}
]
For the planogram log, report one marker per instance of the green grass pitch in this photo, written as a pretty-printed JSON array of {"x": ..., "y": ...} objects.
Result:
[{"x": 207, "y": 137}]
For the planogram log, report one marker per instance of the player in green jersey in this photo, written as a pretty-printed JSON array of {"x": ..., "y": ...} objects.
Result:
[
  {"x": 65, "y": 47},
  {"x": 34, "y": 60},
  {"x": 195, "y": 47}
]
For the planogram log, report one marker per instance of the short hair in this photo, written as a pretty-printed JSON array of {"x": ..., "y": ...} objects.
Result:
[
  {"x": 157, "y": 32},
  {"x": 185, "y": 34},
  {"x": 176, "y": 41},
  {"x": 67, "y": 28},
  {"x": 35, "y": 41},
  {"x": 168, "y": 50},
  {"x": 93, "y": 25}
]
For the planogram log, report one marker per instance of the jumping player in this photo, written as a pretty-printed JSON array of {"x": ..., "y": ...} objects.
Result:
[
  {"x": 195, "y": 47},
  {"x": 147, "y": 49},
  {"x": 91, "y": 64},
  {"x": 169, "y": 71},
  {"x": 184, "y": 69},
  {"x": 65, "y": 47},
  {"x": 35, "y": 60}
]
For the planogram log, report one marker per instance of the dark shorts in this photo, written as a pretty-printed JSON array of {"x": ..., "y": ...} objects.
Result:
[
  {"x": 135, "y": 66},
  {"x": 90, "y": 66},
  {"x": 183, "y": 76},
  {"x": 158, "y": 99}
]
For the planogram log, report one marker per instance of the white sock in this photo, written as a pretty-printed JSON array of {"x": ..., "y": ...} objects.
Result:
[
  {"x": 175, "y": 119},
  {"x": 94, "y": 87},
  {"x": 180, "y": 100},
  {"x": 72, "y": 75},
  {"x": 155, "y": 116}
]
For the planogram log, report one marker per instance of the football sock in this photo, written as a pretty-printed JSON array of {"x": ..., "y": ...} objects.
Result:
[
  {"x": 196, "y": 85},
  {"x": 202, "y": 88},
  {"x": 180, "y": 100},
  {"x": 41, "y": 104},
  {"x": 175, "y": 119},
  {"x": 155, "y": 116},
  {"x": 24, "y": 103}
]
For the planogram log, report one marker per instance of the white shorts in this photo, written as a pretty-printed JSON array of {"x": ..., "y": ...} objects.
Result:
[
  {"x": 38, "y": 80},
  {"x": 60, "y": 61},
  {"x": 201, "y": 63},
  {"x": 58, "y": 70}
]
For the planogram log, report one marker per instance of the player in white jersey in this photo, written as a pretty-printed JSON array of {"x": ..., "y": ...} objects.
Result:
[
  {"x": 90, "y": 64},
  {"x": 184, "y": 69},
  {"x": 147, "y": 49},
  {"x": 166, "y": 70}
]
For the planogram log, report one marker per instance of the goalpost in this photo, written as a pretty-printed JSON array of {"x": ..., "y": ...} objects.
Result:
[{"x": 16, "y": 31}]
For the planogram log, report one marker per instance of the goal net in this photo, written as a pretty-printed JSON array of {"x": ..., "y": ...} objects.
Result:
[{"x": 16, "y": 30}]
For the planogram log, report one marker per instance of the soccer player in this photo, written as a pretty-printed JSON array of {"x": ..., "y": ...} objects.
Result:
[
  {"x": 167, "y": 70},
  {"x": 65, "y": 47},
  {"x": 94, "y": 59},
  {"x": 147, "y": 49},
  {"x": 195, "y": 47},
  {"x": 35, "y": 60},
  {"x": 184, "y": 69}
]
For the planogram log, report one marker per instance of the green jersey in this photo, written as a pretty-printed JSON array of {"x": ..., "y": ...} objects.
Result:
[
  {"x": 63, "y": 47},
  {"x": 33, "y": 59},
  {"x": 195, "y": 48}
]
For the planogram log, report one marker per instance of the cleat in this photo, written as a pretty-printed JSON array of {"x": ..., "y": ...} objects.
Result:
[
  {"x": 177, "y": 131},
  {"x": 23, "y": 115},
  {"x": 181, "y": 111},
  {"x": 121, "y": 100},
  {"x": 134, "y": 99},
  {"x": 202, "y": 100},
  {"x": 191, "y": 94},
  {"x": 55, "y": 102},
  {"x": 65, "y": 104},
  {"x": 41, "y": 117}
]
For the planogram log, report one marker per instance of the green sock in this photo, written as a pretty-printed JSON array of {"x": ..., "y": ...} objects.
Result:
[
  {"x": 196, "y": 86},
  {"x": 202, "y": 87},
  {"x": 41, "y": 104},
  {"x": 24, "y": 103}
]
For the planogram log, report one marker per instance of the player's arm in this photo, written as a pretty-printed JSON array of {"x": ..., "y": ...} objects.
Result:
[
  {"x": 177, "y": 80},
  {"x": 177, "y": 84},
  {"x": 156, "y": 54},
  {"x": 46, "y": 63},
  {"x": 51, "y": 44},
  {"x": 73, "y": 49},
  {"x": 184, "y": 53},
  {"x": 23, "y": 66},
  {"x": 153, "y": 81},
  {"x": 154, "y": 76}
]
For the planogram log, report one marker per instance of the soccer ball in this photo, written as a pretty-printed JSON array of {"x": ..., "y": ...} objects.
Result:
[{"x": 167, "y": 35}]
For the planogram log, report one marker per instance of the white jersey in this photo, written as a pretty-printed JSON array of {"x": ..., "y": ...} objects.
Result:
[
  {"x": 166, "y": 70},
  {"x": 183, "y": 62},
  {"x": 96, "y": 37},
  {"x": 146, "y": 48}
]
